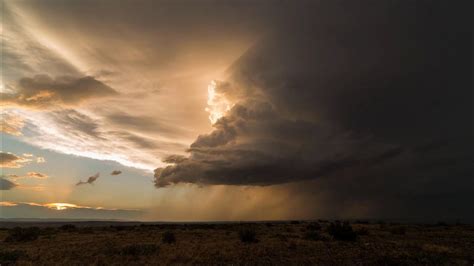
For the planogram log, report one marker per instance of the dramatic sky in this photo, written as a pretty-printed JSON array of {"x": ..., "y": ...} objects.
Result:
[{"x": 236, "y": 110}]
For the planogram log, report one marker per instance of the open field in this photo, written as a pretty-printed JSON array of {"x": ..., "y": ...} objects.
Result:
[{"x": 298, "y": 242}]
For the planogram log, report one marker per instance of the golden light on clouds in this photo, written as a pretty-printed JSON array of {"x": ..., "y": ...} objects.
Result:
[
  {"x": 7, "y": 204},
  {"x": 217, "y": 103},
  {"x": 10, "y": 160},
  {"x": 61, "y": 206},
  {"x": 11, "y": 123}
]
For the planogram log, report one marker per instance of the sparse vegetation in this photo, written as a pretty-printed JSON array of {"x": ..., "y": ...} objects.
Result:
[
  {"x": 168, "y": 237},
  {"x": 247, "y": 235},
  {"x": 282, "y": 243},
  {"x": 19, "y": 234},
  {"x": 342, "y": 231},
  {"x": 139, "y": 249}
]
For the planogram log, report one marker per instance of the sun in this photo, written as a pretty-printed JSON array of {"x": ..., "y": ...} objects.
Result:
[{"x": 60, "y": 206}]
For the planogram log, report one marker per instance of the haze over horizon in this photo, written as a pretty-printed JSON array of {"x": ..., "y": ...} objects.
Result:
[{"x": 233, "y": 110}]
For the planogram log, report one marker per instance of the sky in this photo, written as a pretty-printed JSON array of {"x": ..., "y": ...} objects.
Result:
[{"x": 236, "y": 110}]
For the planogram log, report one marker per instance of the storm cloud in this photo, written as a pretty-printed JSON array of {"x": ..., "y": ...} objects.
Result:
[
  {"x": 382, "y": 93},
  {"x": 327, "y": 108}
]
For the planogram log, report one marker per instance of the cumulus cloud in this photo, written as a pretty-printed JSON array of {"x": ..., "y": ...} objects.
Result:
[
  {"x": 6, "y": 184},
  {"x": 43, "y": 91},
  {"x": 90, "y": 180},
  {"x": 116, "y": 172},
  {"x": 349, "y": 101},
  {"x": 10, "y": 160}
]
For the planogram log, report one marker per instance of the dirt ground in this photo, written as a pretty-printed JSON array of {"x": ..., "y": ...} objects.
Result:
[{"x": 281, "y": 243}]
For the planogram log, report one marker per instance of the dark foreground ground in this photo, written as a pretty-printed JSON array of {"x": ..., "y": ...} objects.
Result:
[{"x": 283, "y": 243}]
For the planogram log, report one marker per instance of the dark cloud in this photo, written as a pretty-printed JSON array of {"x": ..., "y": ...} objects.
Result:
[
  {"x": 174, "y": 159},
  {"x": 116, "y": 172},
  {"x": 10, "y": 160},
  {"x": 6, "y": 184},
  {"x": 374, "y": 102},
  {"x": 90, "y": 180},
  {"x": 42, "y": 91}
]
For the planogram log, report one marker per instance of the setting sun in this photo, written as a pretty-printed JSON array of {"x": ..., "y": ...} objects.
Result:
[{"x": 60, "y": 206}]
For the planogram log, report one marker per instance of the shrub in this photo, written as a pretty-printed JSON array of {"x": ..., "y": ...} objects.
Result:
[
  {"x": 168, "y": 237},
  {"x": 399, "y": 230},
  {"x": 19, "y": 234},
  {"x": 342, "y": 231},
  {"x": 139, "y": 249},
  {"x": 247, "y": 235},
  {"x": 7, "y": 257}
]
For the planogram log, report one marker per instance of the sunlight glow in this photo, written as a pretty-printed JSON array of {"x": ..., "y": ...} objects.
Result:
[
  {"x": 53, "y": 137},
  {"x": 217, "y": 103},
  {"x": 7, "y": 204},
  {"x": 60, "y": 206}
]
